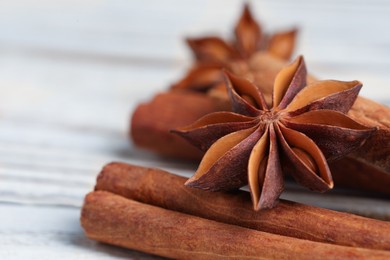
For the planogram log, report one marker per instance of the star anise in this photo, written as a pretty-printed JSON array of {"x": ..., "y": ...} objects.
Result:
[
  {"x": 255, "y": 144},
  {"x": 241, "y": 56}
]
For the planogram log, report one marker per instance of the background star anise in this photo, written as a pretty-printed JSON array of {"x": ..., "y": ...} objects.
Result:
[
  {"x": 243, "y": 56},
  {"x": 255, "y": 144}
]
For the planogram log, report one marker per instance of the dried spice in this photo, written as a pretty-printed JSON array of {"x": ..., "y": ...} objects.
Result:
[
  {"x": 116, "y": 220},
  {"x": 305, "y": 126},
  {"x": 162, "y": 189},
  {"x": 239, "y": 56},
  {"x": 152, "y": 121}
]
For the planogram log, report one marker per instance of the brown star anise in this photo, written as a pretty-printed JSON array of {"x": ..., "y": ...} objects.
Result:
[
  {"x": 255, "y": 144},
  {"x": 241, "y": 56}
]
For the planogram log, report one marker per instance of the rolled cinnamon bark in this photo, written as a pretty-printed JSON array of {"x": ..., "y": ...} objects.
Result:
[
  {"x": 367, "y": 168},
  {"x": 376, "y": 150},
  {"x": 113, "y": 219},
  {"x": 151, "y": 122},
  {"x": 162, "y": 189},
  {"x": 353, "y": 172}
]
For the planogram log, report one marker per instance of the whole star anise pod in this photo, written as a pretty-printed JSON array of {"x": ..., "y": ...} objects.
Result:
[
  {"x": 239, "y": 56},
  {"x": 255, "y": 144}
]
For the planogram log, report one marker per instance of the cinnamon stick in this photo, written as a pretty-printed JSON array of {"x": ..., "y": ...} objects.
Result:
[
  {"x": 354, "y": 173},
  {"x": 368, "y": 168},
  {"x": 162, "y": 189},
  {"x": 152, "y": 121},
  {"x": 113, "y": 219},
  {"x": 376, "y": 151}
]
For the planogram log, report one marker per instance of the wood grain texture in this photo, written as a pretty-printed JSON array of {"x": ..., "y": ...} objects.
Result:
[
  {"x": 48, "y": 232},
  {"x": 72, "y": 71}
]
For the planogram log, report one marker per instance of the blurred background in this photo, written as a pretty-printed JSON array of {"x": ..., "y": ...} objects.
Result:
[{"x": 72, "y": 71}]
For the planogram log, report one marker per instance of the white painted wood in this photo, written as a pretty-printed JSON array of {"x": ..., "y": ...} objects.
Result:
[
  {"x": 72, "y": 71},
  {"x": 31, "y": 232}
]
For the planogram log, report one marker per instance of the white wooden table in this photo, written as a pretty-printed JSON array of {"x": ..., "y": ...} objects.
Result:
[{"x": 72, "y": 71}]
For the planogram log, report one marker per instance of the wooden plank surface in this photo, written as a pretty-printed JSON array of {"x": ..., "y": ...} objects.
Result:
[{"x": 72, "y": 71}]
